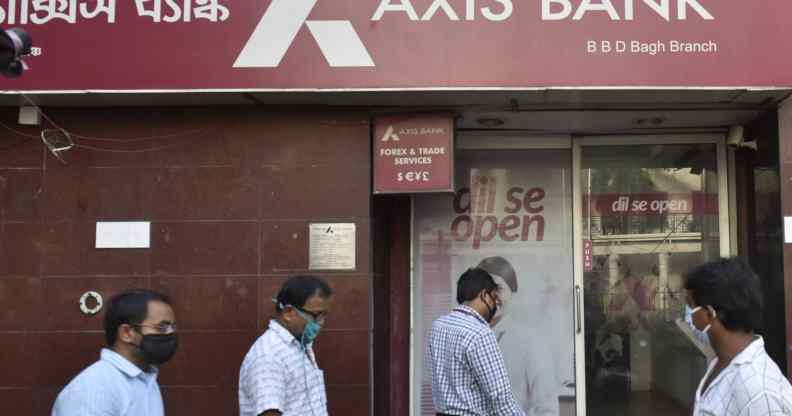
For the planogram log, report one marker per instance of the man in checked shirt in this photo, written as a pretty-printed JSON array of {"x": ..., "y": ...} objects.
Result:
[
  {"x": 469, "y": 377},
  {"x": 725, "y": 308}
]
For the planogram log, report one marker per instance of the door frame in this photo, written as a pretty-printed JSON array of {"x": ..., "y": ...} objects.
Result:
[
  {"x": 724, "y": 224},
  {"x": 485, "y": 140}
]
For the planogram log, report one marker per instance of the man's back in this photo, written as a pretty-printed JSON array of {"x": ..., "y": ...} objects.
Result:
[{"x": 468, "y": 372}]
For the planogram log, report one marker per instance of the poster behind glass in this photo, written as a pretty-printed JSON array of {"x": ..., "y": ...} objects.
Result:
[{"x": 512, "y": 214}]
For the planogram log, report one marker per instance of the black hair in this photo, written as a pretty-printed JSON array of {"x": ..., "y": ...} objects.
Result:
[
  {"x": 472, "y": 282},
  {"x": 500, "y": 266},
  {"x": 298, "y": 289},
  {"x": 732, "y": 288},
  {"x": 129, "y": 307}
]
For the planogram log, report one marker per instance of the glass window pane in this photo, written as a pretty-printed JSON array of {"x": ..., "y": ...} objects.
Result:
[{"x": 650, "y": 213}]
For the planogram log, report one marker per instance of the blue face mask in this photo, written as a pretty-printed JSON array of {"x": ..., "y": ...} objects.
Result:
[{"x": 311, "y": 330}]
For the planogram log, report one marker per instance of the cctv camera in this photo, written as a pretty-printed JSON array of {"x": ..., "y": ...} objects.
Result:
[
  {"x": 736, "y": 136},
  {"x": 736, "y": 139},
  {"x": 14, "y": 44}
]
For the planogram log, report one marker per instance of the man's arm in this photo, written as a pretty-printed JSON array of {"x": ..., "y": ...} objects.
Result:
[
  {"x": 266, "y": 386},
  {"x": 96, "y": 400},
  {"x": 489, "y": 369}
]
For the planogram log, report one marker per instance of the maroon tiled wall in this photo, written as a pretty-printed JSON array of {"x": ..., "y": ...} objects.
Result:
[
  {"x": 785, "y": 155},
  {"x": 229, "y": 192}
]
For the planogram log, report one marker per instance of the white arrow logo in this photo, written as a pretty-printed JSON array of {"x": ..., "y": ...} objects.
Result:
[
  {"x": 337, "y": 39},
  {"x": 390, "y": 135}
]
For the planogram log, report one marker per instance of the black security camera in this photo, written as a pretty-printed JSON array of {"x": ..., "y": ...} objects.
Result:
[{"x": 14, "y": 44}]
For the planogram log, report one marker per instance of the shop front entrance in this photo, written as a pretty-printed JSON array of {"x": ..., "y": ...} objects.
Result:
[{"x": 589, "y": 238}]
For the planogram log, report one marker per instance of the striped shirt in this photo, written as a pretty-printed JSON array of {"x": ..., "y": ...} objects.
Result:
[
  {"x": 469, "y": 376},
  {"x": 277, "y": 374},
  {"x": 112, "y": 386},
  {"x": 751, "y": 385}
]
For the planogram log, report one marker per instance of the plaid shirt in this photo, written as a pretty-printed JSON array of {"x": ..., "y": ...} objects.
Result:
[
  {"x": 469, "y": 376},
  {"x": 751, "y": 385}
]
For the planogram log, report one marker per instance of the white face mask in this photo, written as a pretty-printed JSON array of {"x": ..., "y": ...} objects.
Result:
[{"x": 701, "y": 334}]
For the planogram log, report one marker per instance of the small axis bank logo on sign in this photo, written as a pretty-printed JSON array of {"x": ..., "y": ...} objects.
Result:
[
  {"x": 277, "y": 29},
  {"x": 390, "y": 135}
]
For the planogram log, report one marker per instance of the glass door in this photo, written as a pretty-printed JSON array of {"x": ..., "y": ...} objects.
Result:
[
  {"x": 511, "y": 214},
  {"x": 647, "y": 210}
]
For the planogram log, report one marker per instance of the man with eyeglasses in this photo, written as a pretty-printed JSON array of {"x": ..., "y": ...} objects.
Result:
[
  {"x": 280, "y": 375},
  {"x": 469, "y": 376},
  {"x": 140, "y": 332}
]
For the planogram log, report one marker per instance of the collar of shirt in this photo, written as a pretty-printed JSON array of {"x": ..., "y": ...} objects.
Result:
[
  {"x": 287, "y": 337},
  {"x": 125, "y": 366},
  {"x": 291, "y": 341},
  {"x": 746, "y": 356},
  {"x": 467, "y": 310}
]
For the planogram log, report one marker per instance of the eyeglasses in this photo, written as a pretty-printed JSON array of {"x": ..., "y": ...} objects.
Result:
[
  {"x": 317, "y": 316},
  {"x": 161, "y": 328}
]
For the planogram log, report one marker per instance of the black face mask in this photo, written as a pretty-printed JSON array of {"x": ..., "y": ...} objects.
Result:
[
  {"x": 492, "y": 310},
  {"x": 157, "y": 349}
]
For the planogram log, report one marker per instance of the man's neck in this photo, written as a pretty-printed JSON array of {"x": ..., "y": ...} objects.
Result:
[
  {"x": 728, "y": 345},
  {"x": 284, "y": 324},
  {"x": 131, "y": 357}
]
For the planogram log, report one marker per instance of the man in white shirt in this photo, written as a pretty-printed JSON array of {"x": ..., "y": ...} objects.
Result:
[
  {"x": 280, "y": 375},
  {"x": 725, "y": 306},
  {"x": 140, "y": 331}
]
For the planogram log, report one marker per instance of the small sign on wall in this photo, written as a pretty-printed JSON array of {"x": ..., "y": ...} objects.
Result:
[
  {"x": 123, "y": 234},
  {"x": 414, "y": 153},
  {"x": 331, "y": 246}
]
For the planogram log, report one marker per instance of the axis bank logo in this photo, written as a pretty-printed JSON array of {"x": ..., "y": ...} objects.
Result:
[
  {"x": 342, "y": 47},
  {"x": 277, "y": 29},
  {"x": 479, "y": 218}
]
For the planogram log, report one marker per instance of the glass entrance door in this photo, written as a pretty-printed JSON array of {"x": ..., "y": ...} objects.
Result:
[
  {"x": 650, "y": 209},
  {"x": 511, "y": 214}
]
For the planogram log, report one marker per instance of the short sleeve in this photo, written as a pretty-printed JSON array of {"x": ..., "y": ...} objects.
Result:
[
  {"x": 88, "y": 400},
  {"x": 266, "y": 384}
]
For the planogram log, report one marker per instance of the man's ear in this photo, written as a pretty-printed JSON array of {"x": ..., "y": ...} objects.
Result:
[
  {"x": 287, "y": 312},
  {"x": 126, "y": 333}
]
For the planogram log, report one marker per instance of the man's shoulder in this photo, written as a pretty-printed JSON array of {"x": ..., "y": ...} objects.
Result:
[
  {"x": 759, "y": 378},
  {"x": 98, "y": 372},
  {"x": 100, "y": 380},
  {"x": 459, "y": 323},
  {"x": 268, "y": 347}
]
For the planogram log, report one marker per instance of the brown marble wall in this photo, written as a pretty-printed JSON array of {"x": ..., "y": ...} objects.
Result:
[
  {"x": 785, "y": 156},
  {"x": 229, "y": 193}
]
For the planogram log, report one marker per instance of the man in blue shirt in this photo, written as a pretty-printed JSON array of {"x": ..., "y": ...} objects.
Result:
[{"x": 140, "y": 331}]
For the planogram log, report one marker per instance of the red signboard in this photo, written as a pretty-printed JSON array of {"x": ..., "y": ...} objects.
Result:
[
  {"x": 98, "y": 45},
  {"x": 659, "y": 203},
  {"x": 588, "y": 256},
  {"x": 414, "y": 153}
]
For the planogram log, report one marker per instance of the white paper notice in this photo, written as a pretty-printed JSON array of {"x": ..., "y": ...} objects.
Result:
[
  {"x": 123, "y": 234},
  {"x": 788, "y": 230},
  {"x": 331, "y": 246}
]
